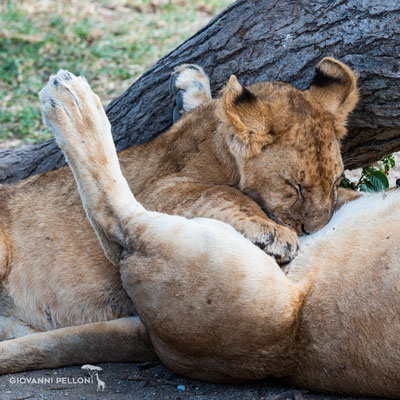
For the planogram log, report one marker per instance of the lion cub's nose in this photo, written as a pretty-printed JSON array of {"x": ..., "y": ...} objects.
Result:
[{"x": 316, "y": 221}]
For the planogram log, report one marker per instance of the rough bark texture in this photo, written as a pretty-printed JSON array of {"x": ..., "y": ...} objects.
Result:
[{"x": 266, "y": 40}]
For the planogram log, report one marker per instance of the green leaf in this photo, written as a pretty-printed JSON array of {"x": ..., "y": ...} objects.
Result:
[
  {"x": 367, "y": 187},
  {"x": 379, "y": 181},
  {"x": 345, "y": 183}
]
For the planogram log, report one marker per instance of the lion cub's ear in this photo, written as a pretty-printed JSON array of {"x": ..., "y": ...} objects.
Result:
[
  {"x": 335, "y": 87},
  {"x": 247, "y": 115}
]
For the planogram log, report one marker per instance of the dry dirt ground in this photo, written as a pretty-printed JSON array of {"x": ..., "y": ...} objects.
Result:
[{"x": 141, "y": 382}]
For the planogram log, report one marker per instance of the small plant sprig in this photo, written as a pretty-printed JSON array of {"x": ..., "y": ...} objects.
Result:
[{"x": 373, "y": 177}]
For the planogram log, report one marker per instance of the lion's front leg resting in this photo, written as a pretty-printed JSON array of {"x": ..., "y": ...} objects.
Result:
[{"x": 121, "y": 340}]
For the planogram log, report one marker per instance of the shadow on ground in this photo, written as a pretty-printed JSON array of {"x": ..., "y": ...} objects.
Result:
[{"x": 138, "y": 382}]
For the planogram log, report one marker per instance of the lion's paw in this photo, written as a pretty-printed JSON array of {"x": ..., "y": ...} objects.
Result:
[
  {"x": 284, "y": 246},
  {"x": 190, "y": 86},
  {"x": 69, "y": 106},
  {"x": 276, "y": 240}
]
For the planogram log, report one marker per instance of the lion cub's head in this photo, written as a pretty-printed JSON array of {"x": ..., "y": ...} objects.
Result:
[{"x": 287, "y": 143}]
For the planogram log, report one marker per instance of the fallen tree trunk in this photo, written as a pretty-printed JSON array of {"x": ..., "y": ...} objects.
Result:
[{"x": 266, "y": 40}]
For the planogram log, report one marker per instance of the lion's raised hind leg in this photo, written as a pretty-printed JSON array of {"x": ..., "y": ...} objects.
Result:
[
  {"x": 190, "y": 86},
  {"x": 77, "y": 118}
]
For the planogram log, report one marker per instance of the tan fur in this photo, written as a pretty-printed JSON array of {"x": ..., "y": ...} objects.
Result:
[
  {"x": 234, "y": 159},
  {"x": 193, "y": 81},
  {"x": 338, "y": 94},
  {"x": 213, "y": 306}
]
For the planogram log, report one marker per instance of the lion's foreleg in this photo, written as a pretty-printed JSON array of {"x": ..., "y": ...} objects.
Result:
[{"x": 121, "y": 340}]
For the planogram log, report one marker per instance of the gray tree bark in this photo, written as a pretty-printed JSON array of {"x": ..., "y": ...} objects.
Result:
[{"x": 266, "y": 40}]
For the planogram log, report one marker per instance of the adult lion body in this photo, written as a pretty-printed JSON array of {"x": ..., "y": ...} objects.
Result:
[
  {"x": 212, "y": 305},
  {"x": 276, "y": 143}
]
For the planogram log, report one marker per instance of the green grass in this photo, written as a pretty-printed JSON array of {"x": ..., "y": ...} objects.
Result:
[{"x": 110, "y": 42}]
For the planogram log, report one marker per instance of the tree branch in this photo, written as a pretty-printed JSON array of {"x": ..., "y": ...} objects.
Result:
[{"x": 266, "y": 40}]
